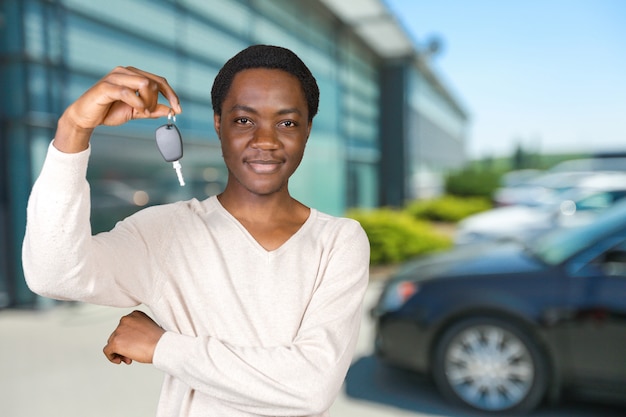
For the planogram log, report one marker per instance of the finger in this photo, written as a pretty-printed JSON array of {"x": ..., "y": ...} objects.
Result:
[
  {"x": 106, "y": 103},
  {"x": 119, "y": 359},
  {"x": 140, "y": 93},
  {"x": 115, "y": 358},
  {"x": 161, "y": 110},
  {"x": 137, "y": 91},
  {"x": 163, "y": 87},
  {"x": 148, "y": 92},
  {"x": 126, "y": 106},
  {"x": 111, "y": 356}
]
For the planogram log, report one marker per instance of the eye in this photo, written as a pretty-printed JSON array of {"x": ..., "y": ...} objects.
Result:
[
  {"x": 288, "y": 123},
  {"x": 243, "y": 121}
]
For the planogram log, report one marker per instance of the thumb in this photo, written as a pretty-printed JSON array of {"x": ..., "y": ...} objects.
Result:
[{"x": 161, "y": 110}]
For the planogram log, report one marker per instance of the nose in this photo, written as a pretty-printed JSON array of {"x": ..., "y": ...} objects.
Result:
[{"x": 265, "y": 138}]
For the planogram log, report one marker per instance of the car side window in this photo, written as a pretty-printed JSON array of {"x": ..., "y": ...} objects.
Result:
[
  {"x": 606, "y": 258},
  {"x": 613, "y": 261},
  {"x": 595, "y": 202}
]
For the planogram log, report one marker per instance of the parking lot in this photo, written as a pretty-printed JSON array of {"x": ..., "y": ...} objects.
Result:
[{"x": 51, "y": 364}]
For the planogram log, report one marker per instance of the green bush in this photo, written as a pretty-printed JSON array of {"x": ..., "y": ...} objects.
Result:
[
  {"x": 473, "y": 183},
  {"x": 395, "y": 236},
  {"x": 447, "y": 208}
]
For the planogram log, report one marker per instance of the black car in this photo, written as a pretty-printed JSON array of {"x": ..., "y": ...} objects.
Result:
[{"x": 502, "y": 328}]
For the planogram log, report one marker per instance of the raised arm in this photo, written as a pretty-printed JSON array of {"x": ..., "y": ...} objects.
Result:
[{"x": 60, "y": 257}]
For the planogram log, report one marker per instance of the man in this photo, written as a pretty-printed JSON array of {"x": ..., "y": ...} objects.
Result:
[{"x": 257, "y": 297}]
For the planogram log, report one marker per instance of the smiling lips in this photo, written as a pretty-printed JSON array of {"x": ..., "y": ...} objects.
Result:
[{"x": 264, "y": 166}]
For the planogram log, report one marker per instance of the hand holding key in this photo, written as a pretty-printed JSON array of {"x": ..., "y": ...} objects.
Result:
[{"x": 124, "y": 94}]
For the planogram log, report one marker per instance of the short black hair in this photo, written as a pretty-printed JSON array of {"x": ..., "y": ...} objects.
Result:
[{"x": 265, "y": 56}]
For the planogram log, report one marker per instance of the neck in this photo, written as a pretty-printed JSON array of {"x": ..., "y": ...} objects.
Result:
[{"x": 257, "y": 207}]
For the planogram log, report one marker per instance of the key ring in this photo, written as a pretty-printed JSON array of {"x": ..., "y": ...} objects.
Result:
[{"x": 170, "y": 117}]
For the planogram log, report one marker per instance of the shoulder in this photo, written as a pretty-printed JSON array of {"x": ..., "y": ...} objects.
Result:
[
  {"x": 345, "y": 246},
  {"x": 337, "y": 222},
  {"x": 178, "y": 207},
  {"x": 341, "y": 228},
  {"x": 165, "y": 217}
]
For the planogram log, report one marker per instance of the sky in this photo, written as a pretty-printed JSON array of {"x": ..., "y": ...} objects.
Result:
[{"x": 546, "y": 75}]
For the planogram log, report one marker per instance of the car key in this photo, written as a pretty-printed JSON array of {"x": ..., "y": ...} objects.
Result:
[{"x": 170, "y": 144}]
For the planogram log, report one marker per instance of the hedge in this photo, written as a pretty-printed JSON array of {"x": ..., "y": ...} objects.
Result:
[
  {"x": 448, "y": 208},
  {"x": 396, "y": 236}
]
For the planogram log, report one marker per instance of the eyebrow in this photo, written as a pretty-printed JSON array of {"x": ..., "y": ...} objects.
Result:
[{"x": 249, "y": 109}]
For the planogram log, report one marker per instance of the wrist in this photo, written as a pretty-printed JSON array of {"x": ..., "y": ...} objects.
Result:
[{"x": 71, "y": 138}]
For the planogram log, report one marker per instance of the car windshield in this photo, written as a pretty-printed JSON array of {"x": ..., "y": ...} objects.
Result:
[{"x": 554, "y": 248}]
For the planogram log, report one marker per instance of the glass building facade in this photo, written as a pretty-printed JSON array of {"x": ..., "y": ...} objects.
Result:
[{"x": 52, "y": 51}]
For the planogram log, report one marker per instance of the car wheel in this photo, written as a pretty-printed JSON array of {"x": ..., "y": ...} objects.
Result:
[{"x": 490, "y": 365}]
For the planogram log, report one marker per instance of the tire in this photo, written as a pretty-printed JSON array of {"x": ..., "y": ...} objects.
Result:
[{"x": 490, "y": 365}]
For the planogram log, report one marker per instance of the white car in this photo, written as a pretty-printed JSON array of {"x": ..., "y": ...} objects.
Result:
[
  {"x": 529, "y": 186},
  {"x": 536, "y": 190},
  {"x": 572, "y": 207}
]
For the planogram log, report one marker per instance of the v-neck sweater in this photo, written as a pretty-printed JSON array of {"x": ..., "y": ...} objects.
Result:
[{"x": 249, "y": 332}]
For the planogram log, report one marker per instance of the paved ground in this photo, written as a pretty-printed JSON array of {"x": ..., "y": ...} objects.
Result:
[{"x": 51, "y": 364}]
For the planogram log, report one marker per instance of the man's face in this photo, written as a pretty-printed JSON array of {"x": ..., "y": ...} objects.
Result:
[{"x": 263, "y": 130}]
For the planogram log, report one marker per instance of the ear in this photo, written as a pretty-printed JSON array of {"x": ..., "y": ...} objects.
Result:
[
  {"x": 217, "y": 121},
  {"x": 308, "y": 130}
]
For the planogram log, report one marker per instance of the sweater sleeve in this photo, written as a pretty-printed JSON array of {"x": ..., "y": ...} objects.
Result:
[
  {"x": 61, "y": 258},
  {"x": 302, "y": 378}
]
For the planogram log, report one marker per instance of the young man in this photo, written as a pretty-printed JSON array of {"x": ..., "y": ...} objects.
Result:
[{"x": 257, "y": 297}]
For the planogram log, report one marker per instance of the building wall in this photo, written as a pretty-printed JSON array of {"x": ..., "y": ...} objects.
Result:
[{"x": 436, "y": 135}]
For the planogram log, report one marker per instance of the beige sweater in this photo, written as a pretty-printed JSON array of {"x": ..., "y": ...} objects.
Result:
[{"x": 249, "y": 332}]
